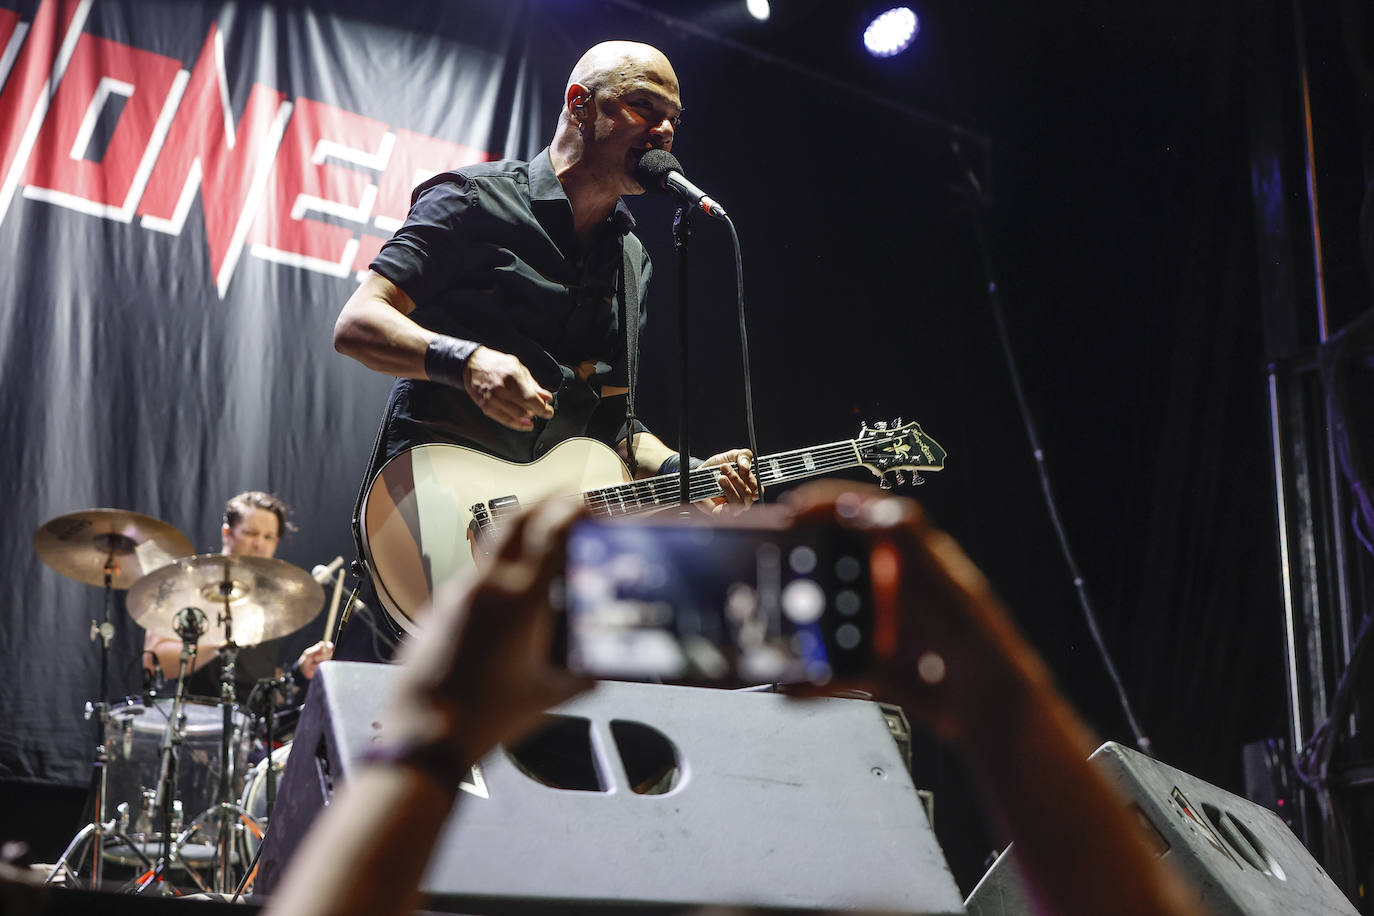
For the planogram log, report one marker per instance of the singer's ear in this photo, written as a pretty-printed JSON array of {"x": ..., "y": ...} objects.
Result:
[{"x": 578, "y": 95}]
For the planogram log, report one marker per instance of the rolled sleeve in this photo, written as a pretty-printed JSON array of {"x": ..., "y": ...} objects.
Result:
[{"x": 424, "y": 256}]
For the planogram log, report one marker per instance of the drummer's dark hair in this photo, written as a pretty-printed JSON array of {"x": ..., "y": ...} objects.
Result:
[{"x": 241, "y": 504}]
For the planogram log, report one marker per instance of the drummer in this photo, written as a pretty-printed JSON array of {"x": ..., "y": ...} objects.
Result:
[{"x": 254, "y": 522}]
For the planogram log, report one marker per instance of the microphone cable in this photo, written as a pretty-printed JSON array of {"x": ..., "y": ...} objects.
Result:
[
  {"x": 977, "y": 199},
  {"x": 744, "y": 351}
]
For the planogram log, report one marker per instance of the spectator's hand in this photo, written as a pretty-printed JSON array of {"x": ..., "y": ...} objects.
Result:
[
  {"x": 951, "y": 654},
  {"x": 505, "y": 390},
  {"x": 479, "y": 673},
  {"x": 310, "y": 659},
  {"x": 739, "y": 487}
]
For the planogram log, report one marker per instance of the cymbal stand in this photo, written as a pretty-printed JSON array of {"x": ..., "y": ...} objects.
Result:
[
  {"x": 98, "y": 828},
  {"x": 224, "y": 882},
  {"x": 190, "y": 624}
]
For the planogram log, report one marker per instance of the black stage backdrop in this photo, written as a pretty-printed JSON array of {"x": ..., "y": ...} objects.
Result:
[{"x": 166, "y": 327}]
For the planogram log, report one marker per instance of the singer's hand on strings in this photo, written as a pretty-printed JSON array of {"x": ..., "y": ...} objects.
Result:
[
  {"x": 738, "y": 486},
  {"x": 505, "y": 390}
]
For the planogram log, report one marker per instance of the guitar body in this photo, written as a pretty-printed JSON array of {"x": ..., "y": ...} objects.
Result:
[
  {"x": 431, "y": 511},
  {"x": 419, "y": 527}
]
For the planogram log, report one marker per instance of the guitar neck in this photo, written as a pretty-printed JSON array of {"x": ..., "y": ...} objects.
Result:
[{"x": 704, "y": 482}]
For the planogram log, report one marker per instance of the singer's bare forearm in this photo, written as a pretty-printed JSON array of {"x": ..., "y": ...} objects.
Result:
[{"x": 374, "y": 328}]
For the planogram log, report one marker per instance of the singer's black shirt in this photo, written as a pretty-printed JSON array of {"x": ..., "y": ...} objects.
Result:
[{"x": 488, "y": 253}]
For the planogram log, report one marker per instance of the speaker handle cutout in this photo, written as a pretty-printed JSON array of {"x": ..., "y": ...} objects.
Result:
[
  {"x": 652, "y": 762},
  {"x": 559, "y": 754}
]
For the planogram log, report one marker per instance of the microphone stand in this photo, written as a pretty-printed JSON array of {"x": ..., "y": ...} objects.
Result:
[
  {"x": 190, "y": 625},
  {"x": 682, "y": 234}
]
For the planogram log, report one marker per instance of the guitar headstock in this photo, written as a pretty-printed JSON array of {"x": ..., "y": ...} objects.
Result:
[{"x": 891, "y": 448}]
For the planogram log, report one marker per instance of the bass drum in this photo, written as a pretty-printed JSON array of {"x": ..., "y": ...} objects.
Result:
[
  {"x": 136, "y": 736},
  {"x": 254, "y": 799}
]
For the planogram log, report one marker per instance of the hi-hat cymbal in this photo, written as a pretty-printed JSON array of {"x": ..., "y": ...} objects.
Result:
[
  {"x": 81, "y": 545},
  {"x": 267, "y": 597}
]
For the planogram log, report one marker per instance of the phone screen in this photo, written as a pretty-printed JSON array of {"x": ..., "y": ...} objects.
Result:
[{"x": 688, "y": 603}]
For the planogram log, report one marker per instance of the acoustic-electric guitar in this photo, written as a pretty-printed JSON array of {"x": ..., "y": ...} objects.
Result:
[{"x": 431, "y": 511}]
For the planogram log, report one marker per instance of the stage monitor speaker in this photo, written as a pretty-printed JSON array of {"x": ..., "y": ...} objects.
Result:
[
  {"x": 1239, "y": 856},
  {"x": 649, "y": 797}
]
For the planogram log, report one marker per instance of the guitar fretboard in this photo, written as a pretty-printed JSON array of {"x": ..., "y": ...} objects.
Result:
[{"x": 704, "y": 482}]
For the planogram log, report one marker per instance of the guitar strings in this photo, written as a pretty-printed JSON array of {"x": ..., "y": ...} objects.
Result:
[{"x": 653, "y": 492}]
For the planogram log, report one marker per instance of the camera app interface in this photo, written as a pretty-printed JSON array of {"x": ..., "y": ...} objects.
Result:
[{"x": 697, "y": 604}]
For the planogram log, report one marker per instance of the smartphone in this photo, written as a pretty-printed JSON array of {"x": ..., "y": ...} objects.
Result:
[{"x": 688, "y": 602}]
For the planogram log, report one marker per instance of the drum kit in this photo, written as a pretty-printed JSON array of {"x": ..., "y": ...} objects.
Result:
[{"x": 158, "y": 757}]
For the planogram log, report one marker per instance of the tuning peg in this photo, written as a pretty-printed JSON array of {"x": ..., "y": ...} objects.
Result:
[
  {"x": 897, "y": 422},
  {"x": 917, "y": 479},
  {"x": 884, "y": 483},
  {"x": 901, "y": 478},
  {"x": 880, "y": 424}
]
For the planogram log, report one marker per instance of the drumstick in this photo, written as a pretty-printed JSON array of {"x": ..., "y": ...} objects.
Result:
[
  {"x": 333, "y": 608},
  {"x": 330, "y": 571}
]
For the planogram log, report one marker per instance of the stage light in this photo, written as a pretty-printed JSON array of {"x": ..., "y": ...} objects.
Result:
[
  {"x": 758, "y": 9},
  {"x": 891, "y": 32}
]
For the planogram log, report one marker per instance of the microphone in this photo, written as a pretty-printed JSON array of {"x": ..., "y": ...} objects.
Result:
[
  {"x": 659, "y": 170},
  {"x": 189, "y": 624},
  {"x": 323, "y": 574}
]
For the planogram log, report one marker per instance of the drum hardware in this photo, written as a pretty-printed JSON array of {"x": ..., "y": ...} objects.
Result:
[
  {"x": 110, "y": 548},
  {"x": 142, "y": 823},
  {"x": 139, "y": 729},
  {"x": 259, "y": 598},
  {"x": 270, "y": 689},
  {"x": 227, "y": 812},
  {"x": 259, "y": 821},
  {"x": 189, "y": 624}
]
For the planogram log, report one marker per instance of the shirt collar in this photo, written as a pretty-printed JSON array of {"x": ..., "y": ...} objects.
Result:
[{"x": 545, "y": 186}]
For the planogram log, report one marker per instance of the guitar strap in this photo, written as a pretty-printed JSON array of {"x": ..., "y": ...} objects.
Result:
[{"x": 629, "y": 297}]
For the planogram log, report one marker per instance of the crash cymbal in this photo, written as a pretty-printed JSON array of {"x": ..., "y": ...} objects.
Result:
[
  {"x": 267, "y": 597},
  {"x": 81, "y": 544}
]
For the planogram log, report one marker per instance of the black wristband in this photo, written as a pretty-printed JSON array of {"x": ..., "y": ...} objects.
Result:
[
  {"x": 673, "y": 463},
  {"x": 446, "y": 359},
  {"x": 441, "y": 762}
]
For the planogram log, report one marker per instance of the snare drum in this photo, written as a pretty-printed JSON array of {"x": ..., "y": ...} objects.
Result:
[{"x": 136, "y": 735}]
